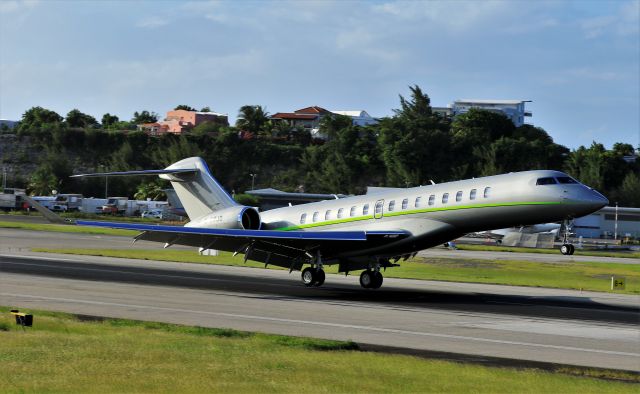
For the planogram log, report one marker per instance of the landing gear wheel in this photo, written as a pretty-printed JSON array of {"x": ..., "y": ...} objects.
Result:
[
  {"x": 566, "y": 249},
  {"x": 571, "y": 249},
  {"x": 366, "y": 279},
  {"x": 308, "y": 277},
  {"x": 377, "y": 280},
  {"x": 318, "y": 277}
]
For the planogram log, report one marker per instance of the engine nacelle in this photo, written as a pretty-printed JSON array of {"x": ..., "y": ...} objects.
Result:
[{"x": 246, "y": 218}]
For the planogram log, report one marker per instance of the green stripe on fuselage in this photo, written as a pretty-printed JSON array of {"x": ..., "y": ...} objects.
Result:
[{"x": 413, "y": 212}]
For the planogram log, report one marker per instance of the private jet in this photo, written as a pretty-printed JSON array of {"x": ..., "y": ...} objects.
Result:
[{"x": 369, "y": 232}]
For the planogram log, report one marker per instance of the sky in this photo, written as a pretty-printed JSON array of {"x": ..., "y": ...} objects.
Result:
[{"x": 578, "y": 61}]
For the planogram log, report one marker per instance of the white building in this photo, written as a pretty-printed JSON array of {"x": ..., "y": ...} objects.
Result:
[
  {"x": 360, "y": 118},
  {"x": 513, "y": 109},
  {"x": 607, "y": 221}
]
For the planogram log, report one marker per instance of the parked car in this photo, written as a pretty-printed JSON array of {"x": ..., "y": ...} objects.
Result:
[{"x": 152, "y": 214}]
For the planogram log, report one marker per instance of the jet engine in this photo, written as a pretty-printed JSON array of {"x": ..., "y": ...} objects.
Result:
[{"x": 238, "y": 217}]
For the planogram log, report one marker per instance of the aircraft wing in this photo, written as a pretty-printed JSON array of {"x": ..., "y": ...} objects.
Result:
[{"x": 283, "y": 248}]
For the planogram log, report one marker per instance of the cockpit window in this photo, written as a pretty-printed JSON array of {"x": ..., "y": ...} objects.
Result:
[
  {"x": 546, "y": 181},
  {"x": 566, "y": 180}
]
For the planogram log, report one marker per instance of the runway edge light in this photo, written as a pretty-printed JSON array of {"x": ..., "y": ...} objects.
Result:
[{"x": 22, "y": 319}]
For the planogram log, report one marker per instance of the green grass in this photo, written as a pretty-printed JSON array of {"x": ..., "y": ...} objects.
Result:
[
  {"x": 62, "y": 353},
  {"x": 568, "y": 275},
  {"x": 579, "y": 252},
  {"x": 64, "y": 228}
]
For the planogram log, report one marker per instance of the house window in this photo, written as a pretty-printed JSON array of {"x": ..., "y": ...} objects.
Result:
[
  {"x": 487, "y": 192},
  {"x": 392, "y": 205},
  {"x": 472, "y": 194},
  {"x": 303, "y": 218},
  {"x": 315, "y": 216},
  {"x": 365, "y": 209},
  {"x": 418, "y": 201},
  {"x": 459, "y": 196},
  {"x": 445, "y": 198},
  {"x": 353, "y": 211},
  {"x": 340, "y": 213},
  {"x": 432, "y": 199},
  {"x": 405, "y": 203},
  {"x": 327, "y": 215}
]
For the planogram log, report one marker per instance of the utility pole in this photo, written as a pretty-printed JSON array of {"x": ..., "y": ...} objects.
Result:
[
  {"x": 615, "y": 226},
  {"x": 4, "y": 178},
  {"x": 106, "y": 186},
  {"x": 253, "y": 180}
]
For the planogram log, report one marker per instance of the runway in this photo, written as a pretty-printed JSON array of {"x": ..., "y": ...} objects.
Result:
[{"x": 542, "y": 325}]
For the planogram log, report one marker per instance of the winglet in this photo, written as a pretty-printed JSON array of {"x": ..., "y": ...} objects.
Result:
[{"x": 50, "y": 216}]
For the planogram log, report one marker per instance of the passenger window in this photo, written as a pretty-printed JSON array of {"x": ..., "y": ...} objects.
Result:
[
  {"x": 405, "y": 203},
  {"x": 472, "y": 194},
  {"x": 432, "y": 199},
  {"x": 327, "y": 215},
  {"x": 379, "y": 205},
  {"x": 445, "y": 198},
  {"x": 315, "y": 216},
  {"x": 418, "y": 200},
  {"x": 459, "y": 196},
  {"x": 353, "y": 211},
  {"x": 392, "y": 205},
  {"x": 546, "y": 181},
  {"x": 340, "y": 212},
  {"x": 365, "y": 209},
  {"x": 303, "y": 218},
  {"x": 566, "y": 180},
  {"x": 487, "y": 192}
]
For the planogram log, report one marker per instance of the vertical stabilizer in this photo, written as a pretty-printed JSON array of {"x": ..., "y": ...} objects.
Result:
[{"x": 198, "y": 191}]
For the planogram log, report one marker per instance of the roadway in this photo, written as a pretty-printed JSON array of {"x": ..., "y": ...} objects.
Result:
[{"x": 469, "y": 320}]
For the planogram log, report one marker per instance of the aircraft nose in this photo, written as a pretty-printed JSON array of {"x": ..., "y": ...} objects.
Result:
[{"x": 596, "y": 200}]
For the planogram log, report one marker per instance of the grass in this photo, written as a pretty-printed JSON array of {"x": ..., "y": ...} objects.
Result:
[
  {"x": 579, "y": 252},
  {"x": 568, "y": 275},
  {"x": 64, "y": 228},
  {"x": 63, "y": 353}
]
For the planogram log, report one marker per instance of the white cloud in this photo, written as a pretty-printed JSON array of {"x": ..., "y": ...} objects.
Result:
[
  {"x": 7, "y": 6},
  {"x": 152, "y": 22},
  {"x": 625, "y": 22}
]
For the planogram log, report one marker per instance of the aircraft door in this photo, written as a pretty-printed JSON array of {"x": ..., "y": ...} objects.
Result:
[{"x": 378, "y": 212}]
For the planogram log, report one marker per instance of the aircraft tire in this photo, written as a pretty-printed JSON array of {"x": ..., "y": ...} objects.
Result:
[
  {"x": 565, "y": 249},
  {"x": 366, "y": 279},
  {"x": 572, "y": 249},
  {"x": 377, "y": 280},
  {"x": 308, "y": 277},
  {"x": 319, "y": 277}
]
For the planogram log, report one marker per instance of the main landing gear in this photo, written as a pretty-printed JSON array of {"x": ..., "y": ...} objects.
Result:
[
  {"x": 371, "y": 279},
  {"x": 312, "y": 276},
  {"x": 567, "y": 249}
]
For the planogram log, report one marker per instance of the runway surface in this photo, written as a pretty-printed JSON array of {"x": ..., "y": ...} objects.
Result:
[{"x": 556, "y": 326}]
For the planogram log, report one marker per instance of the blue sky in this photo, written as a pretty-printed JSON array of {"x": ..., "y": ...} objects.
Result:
[{"x": 578, "y": 61}]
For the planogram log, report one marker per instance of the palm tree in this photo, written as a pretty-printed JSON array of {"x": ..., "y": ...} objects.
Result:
[{"x": 252, "y": 118}]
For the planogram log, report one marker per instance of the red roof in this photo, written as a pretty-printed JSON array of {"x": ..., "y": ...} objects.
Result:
[
  {"x": 312, "y": 110},
  {"x": 287, "y": 115}
]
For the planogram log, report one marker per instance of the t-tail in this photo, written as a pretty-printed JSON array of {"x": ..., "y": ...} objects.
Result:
[{"x": 201, "y": 195}]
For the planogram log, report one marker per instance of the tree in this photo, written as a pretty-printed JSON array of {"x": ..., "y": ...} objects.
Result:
[
  {"x": 109, "y": 120},
  {"x": 150, "y": 190},
  {"x": 252, "y": 118},
  {"x": 184, "y": 107},
  {"x": 206, "y": 127},
  {"x": 144, "y": 117},
  {"x": 37, "y": 118},
  {"x": 75, "y": 118},
  {"x": 629, "y": 192},
  {"x": 205, "y": 109}
]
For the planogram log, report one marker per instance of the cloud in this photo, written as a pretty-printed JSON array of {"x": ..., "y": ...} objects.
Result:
[
  {"x": 152, "y": 22},
  {"x": 625, "y": 22},
  {"x": 7, "y": 6}
]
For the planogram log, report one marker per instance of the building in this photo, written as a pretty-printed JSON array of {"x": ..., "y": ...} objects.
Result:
[
  {"x": 360, "y": 118},
  {"x": 512, "y": 109},
  {"x": 306, "y": 118},
  {"x": 181, "y": 121},
  {"x": 608, "y": 221}
]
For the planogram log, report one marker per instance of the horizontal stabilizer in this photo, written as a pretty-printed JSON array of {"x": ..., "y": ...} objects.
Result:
[{"x": 139, "y": 172}]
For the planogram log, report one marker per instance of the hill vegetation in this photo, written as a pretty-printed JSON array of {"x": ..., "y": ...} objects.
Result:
[{"x": 410, "y": 148}]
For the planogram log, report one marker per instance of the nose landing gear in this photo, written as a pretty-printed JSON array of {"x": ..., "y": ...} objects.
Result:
[{"x": 567, "y": 248}]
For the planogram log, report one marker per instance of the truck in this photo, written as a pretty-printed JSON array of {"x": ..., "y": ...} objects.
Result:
[
  {"x": 11, "y": 199},
  {"x": 67, "y": 203},
  {"x": 115, "y": 206}
]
